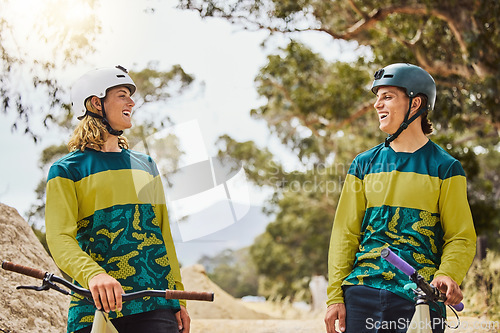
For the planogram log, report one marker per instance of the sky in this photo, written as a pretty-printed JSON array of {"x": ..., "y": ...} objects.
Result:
[{"x": 223, "y": 58}]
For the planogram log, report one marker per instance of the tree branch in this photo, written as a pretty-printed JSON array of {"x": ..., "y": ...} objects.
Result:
[
  {"x": 362, "y": 110},
  {"x": 441, "y": 67},
  {"x": 356, "y": 9}
]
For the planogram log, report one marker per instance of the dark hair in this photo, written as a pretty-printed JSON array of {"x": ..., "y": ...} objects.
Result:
[{"x": 425, "y": 122}]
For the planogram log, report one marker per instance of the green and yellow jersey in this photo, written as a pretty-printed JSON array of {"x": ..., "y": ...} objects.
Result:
[
  {"x": 414, "y": 203},
  {"x": 106, "y": 212}
]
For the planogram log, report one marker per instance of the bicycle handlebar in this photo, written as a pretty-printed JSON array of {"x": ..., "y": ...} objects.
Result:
[
  {"x": 431, "y": 291},
  {"x": 168, "y": 294},
  {"x": 33, "y": 272},
  {"x": 399, "y": 263}
]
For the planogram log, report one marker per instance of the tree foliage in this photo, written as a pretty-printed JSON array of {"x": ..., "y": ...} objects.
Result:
[
  {"x": 37, "y": 45},
  {"x": 233, "y": 271},
  {"x": 320, "y": 110}
]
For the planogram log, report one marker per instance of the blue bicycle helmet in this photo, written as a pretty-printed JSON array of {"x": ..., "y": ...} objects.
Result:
[{"x": 414, "y": 80}]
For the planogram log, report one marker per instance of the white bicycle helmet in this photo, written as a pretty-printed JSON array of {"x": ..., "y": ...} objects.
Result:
[{"x": 96, "y": 83}]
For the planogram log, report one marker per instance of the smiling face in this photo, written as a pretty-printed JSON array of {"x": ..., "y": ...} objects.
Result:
[
  {"x": 118, "y": 105},
  {"x": 391, "y": 106}
]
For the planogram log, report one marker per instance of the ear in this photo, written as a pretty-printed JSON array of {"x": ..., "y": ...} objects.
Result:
[
  {"x": 96, "y": 102},
  {"x": 416, "y": 103}
]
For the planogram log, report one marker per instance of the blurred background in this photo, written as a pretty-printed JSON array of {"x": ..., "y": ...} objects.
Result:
[{"x": 277, "y": 89}]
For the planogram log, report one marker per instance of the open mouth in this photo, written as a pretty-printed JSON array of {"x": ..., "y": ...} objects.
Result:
[
  {"x": 383, "y": 116},
  {"x": 126, "y": 113}
]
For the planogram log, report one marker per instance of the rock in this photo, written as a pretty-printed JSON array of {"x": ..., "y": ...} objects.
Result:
[{"x": 27, "y": 311}]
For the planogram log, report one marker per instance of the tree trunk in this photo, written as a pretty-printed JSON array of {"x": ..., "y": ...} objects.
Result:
[{"x": 482, "y": 245}]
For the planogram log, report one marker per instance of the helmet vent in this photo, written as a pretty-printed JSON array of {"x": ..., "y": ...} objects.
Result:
[
  {"x": 123, "y": 69},
  {"x": 120, "y": 75},
  {"x": 388, "y": 76}
]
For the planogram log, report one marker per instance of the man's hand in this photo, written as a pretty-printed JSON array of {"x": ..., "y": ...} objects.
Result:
[
  {"x": 183, "y": 320},
  {"x": 109, "y": 290},
  {"x": 448, "y": 286},
  {"x": 333, "y": 313}
]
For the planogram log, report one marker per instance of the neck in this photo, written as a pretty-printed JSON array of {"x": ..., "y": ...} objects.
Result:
[
  {"x": 111, "y": 144},
  {"x": 410, "y": 140}
]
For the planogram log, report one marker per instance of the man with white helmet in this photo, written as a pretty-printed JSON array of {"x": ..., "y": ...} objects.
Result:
[
  {"x": 106, "y": 218},
  {"x": 408, "y": 194}
]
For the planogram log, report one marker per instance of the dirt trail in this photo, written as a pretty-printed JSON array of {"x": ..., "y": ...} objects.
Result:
[
  {"x": 257, "y": 326},
  {"x": 468, "y": 324}
]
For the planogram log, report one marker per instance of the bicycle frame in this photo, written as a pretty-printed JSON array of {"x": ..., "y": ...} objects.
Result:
[
  {"x": 425, "y": 294},
  {"x": 101, "y": 323}
]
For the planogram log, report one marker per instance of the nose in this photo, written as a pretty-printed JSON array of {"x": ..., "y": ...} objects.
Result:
[
  {"x": 131, "y": 102},
  {"x": 378, "y": 103}
]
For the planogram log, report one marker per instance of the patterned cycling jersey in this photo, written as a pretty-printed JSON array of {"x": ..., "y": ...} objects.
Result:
[
  {"x": 414, "y": 203},
  {"x": 106, "y": 213}
]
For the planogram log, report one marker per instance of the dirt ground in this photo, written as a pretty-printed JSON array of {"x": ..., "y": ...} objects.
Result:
[
  {"x": 471, "y": 325},
  {"x": 257, "y": 326}
]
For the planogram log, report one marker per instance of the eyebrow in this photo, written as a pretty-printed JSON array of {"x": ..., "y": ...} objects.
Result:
[
  {"x": 123, "y": 90},
  {"x": 390, "y": 91}
]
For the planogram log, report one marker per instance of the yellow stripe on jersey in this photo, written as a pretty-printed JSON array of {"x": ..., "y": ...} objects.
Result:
[
  {"x": 394, "y": 189},
  {"x": 125, "y": 187}
]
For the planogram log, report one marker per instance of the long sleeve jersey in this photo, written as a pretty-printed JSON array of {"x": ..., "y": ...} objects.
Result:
[
  {"x": 106, "y": 212},
  {"x": 414, "y": 203}
]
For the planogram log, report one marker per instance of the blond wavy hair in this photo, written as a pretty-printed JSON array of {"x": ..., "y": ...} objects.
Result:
[{"x": 92, "y": 133}]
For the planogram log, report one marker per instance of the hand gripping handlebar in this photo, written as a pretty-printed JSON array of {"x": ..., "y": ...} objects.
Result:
[
  {"x": 432, "y": 292},
  {"x": 51, "y": 279}
]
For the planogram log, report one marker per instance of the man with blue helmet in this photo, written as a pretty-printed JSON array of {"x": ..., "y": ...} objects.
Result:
[{"x": 408, "y": 194}]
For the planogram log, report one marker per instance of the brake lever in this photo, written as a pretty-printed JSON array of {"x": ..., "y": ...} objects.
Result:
[
  {"x": 46, "y": 285},
  {"x": 41, "y": 288}
]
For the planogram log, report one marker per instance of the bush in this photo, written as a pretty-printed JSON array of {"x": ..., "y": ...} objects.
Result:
[{"x": 481, "y": 287}]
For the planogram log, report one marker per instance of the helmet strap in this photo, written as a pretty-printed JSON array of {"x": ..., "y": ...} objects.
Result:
[
  {"x": 93, "y": 115},
  {"x": 404, "y": 125},
  {"x": 106, "y": 123}
]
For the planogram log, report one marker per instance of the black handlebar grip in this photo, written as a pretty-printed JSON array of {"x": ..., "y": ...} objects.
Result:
[
  {"x": 189, "y": 295},
  {"x": 33, "y": 272}
]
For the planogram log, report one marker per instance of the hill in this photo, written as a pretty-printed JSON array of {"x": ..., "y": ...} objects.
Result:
[
  {"x": 27, "y": 311},
  {"x": 224, "y": 306}
]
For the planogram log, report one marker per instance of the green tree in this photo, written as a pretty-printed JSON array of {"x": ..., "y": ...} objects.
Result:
[
  {"x": 320, "y": 109},
  {"x": 233, "y": 271},
  {"x": 38, "y": 45}
]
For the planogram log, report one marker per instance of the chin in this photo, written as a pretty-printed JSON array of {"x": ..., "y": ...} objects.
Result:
[
  {"x": 121, "y": 128},
  {"x": 125, "y": 126},
  {"x": 386, "y": 130},
  {"x": 383, "y": 129}
]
